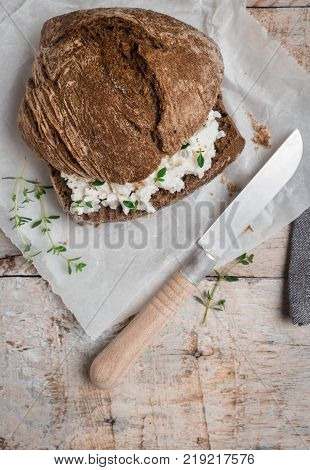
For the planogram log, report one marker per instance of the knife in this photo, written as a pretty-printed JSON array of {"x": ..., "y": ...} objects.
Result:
[{"x": 115, "y": 360}]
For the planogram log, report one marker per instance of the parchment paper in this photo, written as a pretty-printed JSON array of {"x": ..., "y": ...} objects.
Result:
[{"x": 128, "y": 261}]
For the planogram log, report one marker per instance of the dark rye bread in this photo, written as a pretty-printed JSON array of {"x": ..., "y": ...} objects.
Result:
[
  {"x": 227, "y": 150},
  {"x": 113, "y": 90}
]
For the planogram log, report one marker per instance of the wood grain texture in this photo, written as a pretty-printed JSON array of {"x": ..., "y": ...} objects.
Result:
[
  {"x": 239, "y": 383},
  {"x": 277, "y": 3},
  {"x": 242, "y": 382},
  {"x": 116, "y": 359}
]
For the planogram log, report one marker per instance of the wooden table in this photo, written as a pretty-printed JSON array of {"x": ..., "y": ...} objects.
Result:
[{"x": 242, "y": 382}]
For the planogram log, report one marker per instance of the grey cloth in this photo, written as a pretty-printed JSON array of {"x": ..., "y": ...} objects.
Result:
[{"x": 299, "y": 270}]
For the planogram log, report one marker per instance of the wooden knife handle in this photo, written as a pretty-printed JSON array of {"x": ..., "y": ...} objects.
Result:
[{"x": 115, "y": 360}]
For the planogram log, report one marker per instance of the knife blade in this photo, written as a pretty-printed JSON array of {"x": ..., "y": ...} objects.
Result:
[{"x": 250, "y": 202}]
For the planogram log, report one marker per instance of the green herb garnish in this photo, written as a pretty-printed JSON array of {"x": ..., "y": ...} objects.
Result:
[
  {"x": 207, "y": 298},
  {"x": 78, "y": 203},
  {"x": 18, "y": 219},
  {"x": 55, "y": 248},
  {"x": 245, "y": 259},
  {"x": 26, "y": 193},
  {"x": 81, "y": 203},
  {"x": 184, "y": 146},
  {"x": 44, "y": 222},
  {"x": 200, "y": 159},
  {"x": 161, "y": 174},
  {"x": 97, "y": 183},
  {"x": 78, "y": 266},
  {"x": 48, "y": 220},
  {"x": 131, "y": 205}
]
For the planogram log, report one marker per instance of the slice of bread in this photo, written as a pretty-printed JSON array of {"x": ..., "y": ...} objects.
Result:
[{"x": 227, "y": 150}]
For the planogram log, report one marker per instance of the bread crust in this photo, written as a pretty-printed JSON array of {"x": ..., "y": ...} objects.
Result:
[
  {"x": 113, "y": 90},
  {"x": 227, "y": 150}
]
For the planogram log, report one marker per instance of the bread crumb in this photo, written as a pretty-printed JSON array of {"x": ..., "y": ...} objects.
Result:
[
  {"x": 231, "y": 187},
  {"x": 249, "y": 228},
  {"x": 262, "y": 134}
]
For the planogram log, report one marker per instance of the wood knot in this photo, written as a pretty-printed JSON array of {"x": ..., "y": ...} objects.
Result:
[
  {"x": 3, "y": 443},
  {"x": 110, "y": 421},
  {"x": 196, "y": 353}
]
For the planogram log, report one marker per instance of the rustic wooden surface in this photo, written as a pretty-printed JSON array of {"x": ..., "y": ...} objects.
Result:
[
  {"x": 242, "y": 382},
  {"x": 277, "y": 3}
]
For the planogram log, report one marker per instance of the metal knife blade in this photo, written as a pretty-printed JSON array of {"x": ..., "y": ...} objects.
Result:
[{"x": 250, "y": 202}]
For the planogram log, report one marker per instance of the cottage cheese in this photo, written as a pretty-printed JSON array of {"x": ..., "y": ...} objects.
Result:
[{"x": 87, "y": 198}]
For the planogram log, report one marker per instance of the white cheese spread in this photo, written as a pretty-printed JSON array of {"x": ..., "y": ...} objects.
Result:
[{"x": 194, "y": 158}]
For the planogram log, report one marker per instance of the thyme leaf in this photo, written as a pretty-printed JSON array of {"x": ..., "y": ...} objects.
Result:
[
  {"x": 131, "y": 205},
  {"x": 97, "y": 183},
  {"x": 184, "y": 146},
  {"x": 161, "y": 175},
  {"x": 200, "y": 159}
]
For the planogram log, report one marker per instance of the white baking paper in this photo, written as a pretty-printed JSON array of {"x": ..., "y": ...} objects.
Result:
[{"x": 127, "y": 262}]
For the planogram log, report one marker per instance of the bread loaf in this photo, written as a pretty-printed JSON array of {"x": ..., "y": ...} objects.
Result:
[{"x": 114, "y": 90}]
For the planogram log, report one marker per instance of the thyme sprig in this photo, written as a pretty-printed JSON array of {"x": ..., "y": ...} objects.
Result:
[
  {"x": 56, "y": 249},
  {"x": 18, "y": 219},
  {"x": 39, "y": 191},
  {"x": 207, "y": 298}
]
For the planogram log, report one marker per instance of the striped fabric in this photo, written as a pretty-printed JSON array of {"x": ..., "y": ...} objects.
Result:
[{"x": 299, "y": 270}]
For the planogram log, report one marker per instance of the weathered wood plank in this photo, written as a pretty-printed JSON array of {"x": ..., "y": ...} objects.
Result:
[
  {"x": 16, "y": 266},
  {"x": 270, "y": 258},
  {"x": 277, "y": 3},
  {"x": 239, "y": 383}
]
